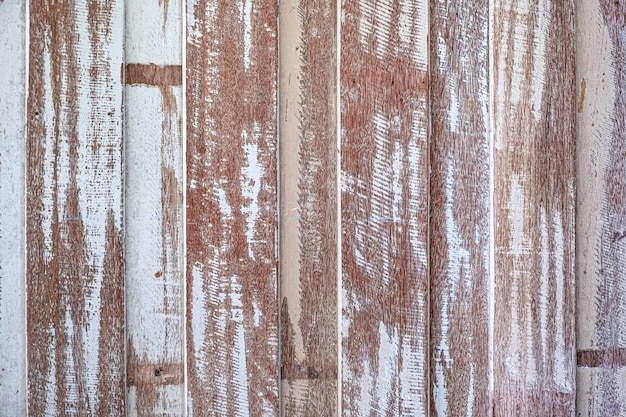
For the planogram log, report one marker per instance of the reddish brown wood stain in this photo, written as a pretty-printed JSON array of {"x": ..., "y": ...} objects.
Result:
[
  {"x": 534, "y": 195},
  {"x": 384, "y": 173},
  {"x": 459, "y": 209},
  {"x": 232, "y": 327},
  {"x": 75, "y": 255}
]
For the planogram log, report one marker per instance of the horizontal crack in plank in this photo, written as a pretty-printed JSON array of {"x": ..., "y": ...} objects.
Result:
[
  {"x": 152, "y": 74},
  {"x": 601, "y": 358}
]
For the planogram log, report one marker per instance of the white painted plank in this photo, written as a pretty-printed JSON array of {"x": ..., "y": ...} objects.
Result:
[
  {"x": 601, "y": 206},
  {"x": 12, "y": 288},
  {"x": 154, "y": 208}
]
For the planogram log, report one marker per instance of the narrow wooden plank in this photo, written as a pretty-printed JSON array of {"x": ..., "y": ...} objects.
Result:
[
  {"x": 601, "y": 214},
  {"x": 534, "y": 195},
  {"x": 308, "y": 126},
  {"x": 75, "y": 269},
  {"x": 232, "y": 294},
  {"x": 154, "y": 209},
  {"x": 12, "y": 155},
  {"x": 459, "y": 208},
  {"x": 384, "y": 174}
]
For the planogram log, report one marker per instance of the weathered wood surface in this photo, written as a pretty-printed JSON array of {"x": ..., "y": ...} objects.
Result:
[
  {"x": 75, "y": 259},
  {"x": 384, "y": 207},
  {"x": 154, "y": 209},
  {"x": 533, "y": 113},
  {"x": 601, "y": 222},
  {"x": 232, "y": 295},
  {"x": 12, "y": 154},
  {"x": 308, "y": 166},
  {"x": 459, "y": 208}
]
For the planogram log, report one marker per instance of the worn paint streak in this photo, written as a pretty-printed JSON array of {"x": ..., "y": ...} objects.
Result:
[
  {"x": 232, "y": 314},
  {"x": 534, "y": 183},
  {"x": 459, "y": 209},
  {"x": 309, "y": 368},
  {"x": 384, "y": 163},
  {"x": 602, "y": 131},
  {"x": 74, "y": 210},
  {"x": 12, "y": 155},
  {"x": 581, "y": 100}
]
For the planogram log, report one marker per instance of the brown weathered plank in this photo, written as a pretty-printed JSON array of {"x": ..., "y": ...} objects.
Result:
[
  {"x": 75, "y": 270},
  {"x": 154, "y": 209},
  {"x": 384, "y": 207},
  {"x": 308, "y": 126},
  {"x": 533, "y": 131},
  {"x": 232, "y": 305},
  {"x": 601, "y": 210},
  {"x": 12, "y": 154},
  {"x": 459, "y": 208}
]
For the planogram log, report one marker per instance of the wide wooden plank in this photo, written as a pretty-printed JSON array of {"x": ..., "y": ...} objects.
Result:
[
  {"x": 154, "y": 209},
  {"x": 384, "y": 207},
  {"x": 533, "y": 132},
  {"x": 12, "y": 154},
  {"x": 308, "y": 166},
  {"x": 459, "y": 208},
  {"x": 74, "y": 268},
  {"x": 601, "y": 209},
  {"x": 232, "y": 296}
]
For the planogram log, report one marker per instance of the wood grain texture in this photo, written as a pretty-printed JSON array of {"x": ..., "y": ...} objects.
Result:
[
  {"x": 309, "y": 208},
  {"x": 533, "y": 112},
  {"x": 384, "y": 207},
  {"x": 232, "y": 295},
  {"x": 601, "y": 221},
  {"x": 12, "y": 154},
  {"x": 459, "y": 208},
  {"x": 154, "y": 209},
  {"x": 75, "y": 269}
]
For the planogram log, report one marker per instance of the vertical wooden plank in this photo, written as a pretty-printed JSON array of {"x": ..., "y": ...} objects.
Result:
[
  {"x": 601, "y": 221},
  {"x": 459, "y": 208},
  {"x": 533, "y": 123},
  {"x": 12, "y": 154},
  {"x": 232, "y": 307},
  {"x": 75, "y": 269},
  {"x": 154, "y": 209},
  {"x": 308, "y": 127},
  {"x": 384, "y": 174}
]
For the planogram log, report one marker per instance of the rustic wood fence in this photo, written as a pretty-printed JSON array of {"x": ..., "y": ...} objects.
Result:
[{"x": 317, "y": 208}]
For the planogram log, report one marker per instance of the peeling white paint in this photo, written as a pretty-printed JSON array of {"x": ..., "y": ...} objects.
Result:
[
  {"x": 251, "y": 184},
  {"x": 560, "y": 372},
  {"x": 544, "y": 286},
  {"x": 544, "y": 17},
  {"x": 518, "y": 246}
]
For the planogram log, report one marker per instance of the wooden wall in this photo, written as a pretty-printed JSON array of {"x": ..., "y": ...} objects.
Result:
[{"x": 313, "y": 208}]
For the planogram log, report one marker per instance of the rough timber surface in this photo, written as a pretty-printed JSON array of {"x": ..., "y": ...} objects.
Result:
[
  {"x": 74, "y": 265},
  {"x": 154, "y": 209},
  {"x": 533, "y": 127},
  {"x": 12, "y": 148},
  {"x": 601, "y": 209},
  {"x": 232, "y": 296},
  {"x": 384, "y": 207},
  {"x": 459, "y": 208},
  {"x": 308, "y": 208}
]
